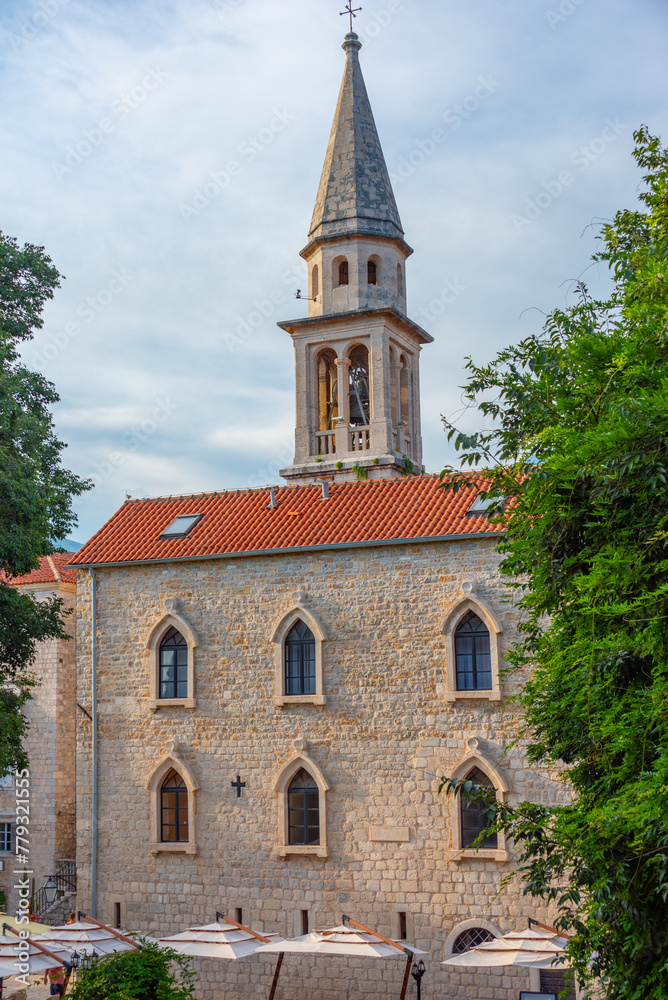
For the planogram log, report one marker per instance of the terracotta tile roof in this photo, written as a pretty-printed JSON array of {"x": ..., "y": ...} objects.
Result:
[
  {"x": 51, "y": 569},
  {"x": 242, "y": 521}
]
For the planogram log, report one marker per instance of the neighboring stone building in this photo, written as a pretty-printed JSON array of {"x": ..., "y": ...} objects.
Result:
[
  {"x": 283, "y": 675},
  {"x": 50, "y": 744}
]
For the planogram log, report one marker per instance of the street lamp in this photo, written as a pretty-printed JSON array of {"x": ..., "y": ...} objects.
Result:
[
  {"x": 50, "y": 890},
  {"x": 417, "y": 972}
]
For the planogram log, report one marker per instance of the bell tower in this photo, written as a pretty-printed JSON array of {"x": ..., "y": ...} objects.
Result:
[{"x": 357, "y": 353}]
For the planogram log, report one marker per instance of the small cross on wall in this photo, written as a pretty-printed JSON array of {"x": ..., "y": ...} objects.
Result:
[
  {"x": 238, "y": 784},
  {"x": 353, "y": 11}
]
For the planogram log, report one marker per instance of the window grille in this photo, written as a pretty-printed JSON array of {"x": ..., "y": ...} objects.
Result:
[
  {"x": 173, "y": 666},
  {"x": 472, "y": 654},
  {"x": 173, "y": 809},
  {"x": 300, "y": 660},
  {"x": 5, "y": 837},
  {"x": 471, "y": 938},
  {"x": 303, "y": 810}
]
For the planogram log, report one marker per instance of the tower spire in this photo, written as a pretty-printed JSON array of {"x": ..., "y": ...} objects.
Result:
[
  {"x": 355, "y": 193},
  {"x": 357, "y": 353}
]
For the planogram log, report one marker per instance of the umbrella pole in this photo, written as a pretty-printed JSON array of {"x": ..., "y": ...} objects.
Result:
[
  {"x": 279, "y": 963},
  {"x": 406, "y": 975}
]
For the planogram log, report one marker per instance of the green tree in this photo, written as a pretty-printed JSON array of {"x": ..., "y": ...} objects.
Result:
[
  {"x": 153, "y": 973},
  {"x": 36, "y": 492},
  {"x": 575, "y": 458}
]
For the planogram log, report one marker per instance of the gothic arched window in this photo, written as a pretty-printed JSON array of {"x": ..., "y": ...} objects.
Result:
[
  {"x": 358, "y": 377},
  {"x": 303, "y": 809},
  {"x": 343, "y": 272},
  {"x": 173, "y": 809},
  {"x": 472, "y": 654},
  {"x": 474, "y": 810},
  {"x": 315, "y": 282},
  {"x": 371, "y": 273},
  {"x": 299, "y": 660},
  {"x": 173, "y": 665}
]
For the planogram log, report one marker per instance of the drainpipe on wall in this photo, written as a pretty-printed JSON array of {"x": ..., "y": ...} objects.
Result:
[{"x": 93, "y": 852}]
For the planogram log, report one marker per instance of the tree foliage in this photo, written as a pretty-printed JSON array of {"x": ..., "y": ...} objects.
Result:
[
  {"x": 36, "y": 492},
  {"x": 575, "y": 458},
  {"x": 152, "y": 973}
]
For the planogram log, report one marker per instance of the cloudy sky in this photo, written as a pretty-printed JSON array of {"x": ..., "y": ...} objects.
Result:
[{"x": 120, "y": 119}]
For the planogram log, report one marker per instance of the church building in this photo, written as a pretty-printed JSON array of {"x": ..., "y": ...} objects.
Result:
[{"x": 278, "y": 678}]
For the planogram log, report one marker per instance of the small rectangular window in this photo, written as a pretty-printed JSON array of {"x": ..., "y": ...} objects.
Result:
[
  {"x": 482, "y": 506},
  {"x": 304, "y": 921},
  {"x": 239, "y": 915},
  {"x": 117, "y": 915},
  {"x": 6, "y": 837},
  {"x": 403, "y": 933},
  {"x": 181, "y": 525}
]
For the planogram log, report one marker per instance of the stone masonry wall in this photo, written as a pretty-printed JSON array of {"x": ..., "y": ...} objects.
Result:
[
  {"x": 51, "y": 748},
  {"x": 383, "y": 740}
]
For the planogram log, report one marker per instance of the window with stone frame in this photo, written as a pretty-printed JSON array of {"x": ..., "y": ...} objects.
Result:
[
  {"x": 303, "y": 810},
  {"x": 173, "y": 809},
  {"x": 471, "y": 938},
  {"x": 475, "y": 812},
  {"x": 300, "y": 660},
  {"x": 343, "y": 273},
  {"x": 472, "y": 654},
  {"x": 6, "y": 838}
]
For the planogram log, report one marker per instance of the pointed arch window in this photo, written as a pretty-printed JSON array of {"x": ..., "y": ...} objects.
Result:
[
  {"x": 303, "y": 810},
  {"x": 472, "y": 654},
  {"x": 474, "y": 811},
  {"x": 343, "y": 272},
  {"x": 299, "y": 638},
  {"x": 300, "y": 660},
  {"x": 173, "y": 665},
  {"x": 473, "y": 650},
  {"x": 315, "y": 282},
  {"x": 173, "y": 809}
]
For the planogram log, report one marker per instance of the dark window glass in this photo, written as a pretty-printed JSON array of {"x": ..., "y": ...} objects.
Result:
[
  {"x": 173, "y": 666},
  {"x": 471, "y": 938},
  {"x": 304, "y": 921},
  {"x": 300, "y": 660},
  {"x": 474, "y": 808},
  {"x": 343, "y": 272},
  {"x": 5, "y": 836},
  {"x": 403, "y": 932},
  {"x": 371, "y": 272},
  {"x": 555, "y": 981},
  {"x": 303, "y": 810},
  {"x": 173, "y": 809},
  {"x": 474, "y": 665}
]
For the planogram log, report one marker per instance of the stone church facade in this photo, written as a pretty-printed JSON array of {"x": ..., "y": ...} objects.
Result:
[{"x": 282, "y": 676}]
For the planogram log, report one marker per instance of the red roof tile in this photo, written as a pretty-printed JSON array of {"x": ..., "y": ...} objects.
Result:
[
  {"x": 243, "y": 522},
  {"x": 51, "y": 569}
]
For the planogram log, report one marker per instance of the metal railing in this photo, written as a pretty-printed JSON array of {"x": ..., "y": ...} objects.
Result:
[{"x": 64, "y": 881}]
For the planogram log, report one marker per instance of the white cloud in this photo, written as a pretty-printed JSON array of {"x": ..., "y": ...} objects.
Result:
[{"x": 221, "y": 71}]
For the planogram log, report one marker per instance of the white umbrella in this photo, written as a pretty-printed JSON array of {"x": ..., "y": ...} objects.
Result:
[
  {"x": 361, "y": 942},
  {"x": 22, "y": 956},
  {"x": 530, "y": 949},
  {"x": 88, "y": 937},
  {"x": 217, "y": 941}
]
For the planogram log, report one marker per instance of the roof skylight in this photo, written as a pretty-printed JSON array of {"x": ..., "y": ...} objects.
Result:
[
  {"x": 181, "y": 525},
  {"x": 482, "y": 505}
]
